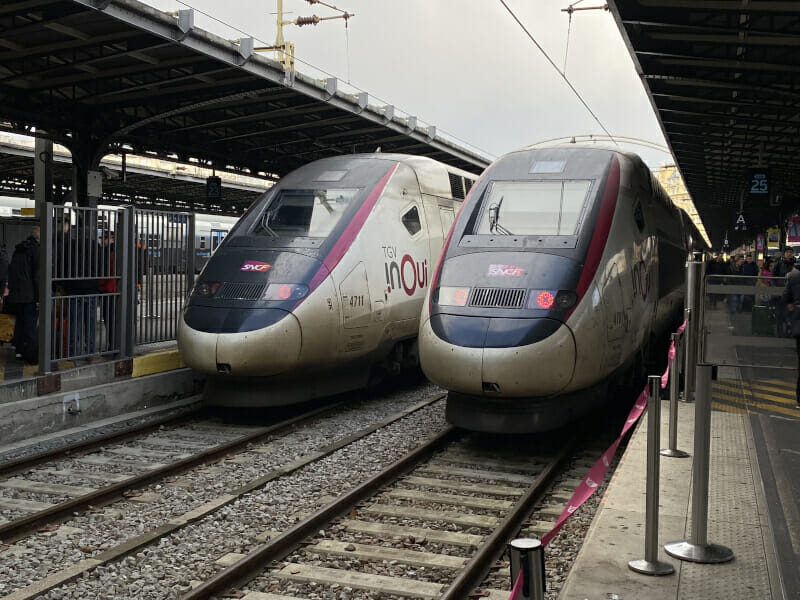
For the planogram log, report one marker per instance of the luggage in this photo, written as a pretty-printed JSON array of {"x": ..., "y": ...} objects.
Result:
[
  {"x": 7, "y": 322},
  {"x": 764, "y": 320}
]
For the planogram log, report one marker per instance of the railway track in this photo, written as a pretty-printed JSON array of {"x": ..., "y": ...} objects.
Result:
[
  {"x": 431, "y": 525},
  {"x": 248, "y": 445}
]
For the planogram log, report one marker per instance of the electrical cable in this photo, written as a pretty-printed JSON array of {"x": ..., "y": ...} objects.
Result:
[
  {"x": 486, "y": 154},
  {"x": 563, "y": 76}
]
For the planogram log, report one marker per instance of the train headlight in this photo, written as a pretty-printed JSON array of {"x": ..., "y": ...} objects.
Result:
[
  {"x": 547, "y": 299},
  {"x": 566, "y": 299},
  {"x": 205, "y": 290},
  {"x": 285, "y": 291},
  {"x": 452, "y": 296}
]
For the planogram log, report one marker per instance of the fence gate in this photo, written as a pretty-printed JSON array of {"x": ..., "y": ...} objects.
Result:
[
  {"x": 81, "y": 283},
  {"x": 163, "y": 259}
]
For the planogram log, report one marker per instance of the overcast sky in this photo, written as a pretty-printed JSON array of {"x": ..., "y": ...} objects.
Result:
[{"x": 465, "y": 66}]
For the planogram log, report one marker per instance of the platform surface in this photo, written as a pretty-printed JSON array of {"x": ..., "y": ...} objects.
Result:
[{"x": 754, "y": 487}]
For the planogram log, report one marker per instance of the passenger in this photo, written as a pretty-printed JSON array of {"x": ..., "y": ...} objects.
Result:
[
  {"x": 714, "y": 269},
  {"x": 791, "y": 299},
  {"x": 764, "y": 282},
  {"x": 3, "y": 276},
  {"x": 23, "y": 295},
  {"x": 77, "y": 268},
  {"x": 735, "y": 273},
  {"x": 781, "y": 269},
  {"x": 749, "y": 269},
  {"x": 109, "y": 286}
]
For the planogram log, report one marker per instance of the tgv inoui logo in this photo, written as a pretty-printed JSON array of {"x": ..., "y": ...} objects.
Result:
[{"x": 255, "y": 265}]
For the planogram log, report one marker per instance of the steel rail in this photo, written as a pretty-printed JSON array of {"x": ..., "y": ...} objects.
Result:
[
  {"x": 18, "y": 528},
  {"x": 480, "y": 564},
  {"x": 114, "y": 437},
  {"x": 282, "y": 545}
]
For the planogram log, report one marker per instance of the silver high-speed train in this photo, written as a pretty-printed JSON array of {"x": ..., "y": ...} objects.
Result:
[
  {"x": 321, "y": 283},
  {"x": 564, "y": 268}
]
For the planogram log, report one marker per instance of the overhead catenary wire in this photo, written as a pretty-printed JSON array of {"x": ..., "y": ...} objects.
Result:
[
  {"x": 485, "y": 152},
  {"x": 560, "y": 72}
]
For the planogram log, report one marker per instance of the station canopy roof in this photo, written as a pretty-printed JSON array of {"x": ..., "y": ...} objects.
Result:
[
  {"x": 120, "y": 75},
  {"x": 724, "y": 79}
]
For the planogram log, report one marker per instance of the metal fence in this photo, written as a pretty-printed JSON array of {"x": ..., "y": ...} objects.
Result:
[
  {"x": 110, "y": 279},
  {"x": 164, "y": 266},
  {"x": 746, "y": 323}
]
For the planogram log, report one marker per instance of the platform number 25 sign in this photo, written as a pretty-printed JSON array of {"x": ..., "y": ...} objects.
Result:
[{"x": 758, "y": 183}]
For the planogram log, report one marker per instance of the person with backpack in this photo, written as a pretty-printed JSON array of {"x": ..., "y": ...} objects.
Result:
[{"x": 23, "y": 295}]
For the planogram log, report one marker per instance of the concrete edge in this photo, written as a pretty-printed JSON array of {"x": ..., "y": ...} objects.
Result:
[{"x": 57, "y": 412}]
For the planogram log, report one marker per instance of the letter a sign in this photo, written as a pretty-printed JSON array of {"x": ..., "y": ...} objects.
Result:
[{"x": 740, "y": 225}]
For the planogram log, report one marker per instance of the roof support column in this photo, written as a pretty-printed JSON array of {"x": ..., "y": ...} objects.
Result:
[
  {"x": 42, "y": 173},
  {"x": 87, "y": 182}
]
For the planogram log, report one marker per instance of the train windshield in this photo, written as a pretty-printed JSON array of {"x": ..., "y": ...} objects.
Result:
[
  {"x": 304, "y": 213},
  {"x": 533, "y": 208}
]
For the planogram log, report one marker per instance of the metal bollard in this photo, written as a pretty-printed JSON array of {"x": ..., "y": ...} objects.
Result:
[
  {"x": 694, "y": 302},
  {"x": 527, "y": 555},
  {"x": 650, "y": 565},
  {"x": 674, "y": 384},
  {"x": 698, "y": 549}
]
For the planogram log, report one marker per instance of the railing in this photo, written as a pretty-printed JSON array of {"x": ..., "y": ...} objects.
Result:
[
  {"x": 747, "y": 324},
  {"x": 110, "y": 279},
  {"x": 164, "y": 265}
]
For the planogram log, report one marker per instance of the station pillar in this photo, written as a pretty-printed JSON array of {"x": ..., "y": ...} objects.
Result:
[{"x": 42, "y": 173}]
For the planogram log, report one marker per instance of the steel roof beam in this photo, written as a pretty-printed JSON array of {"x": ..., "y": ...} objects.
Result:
[{"x": 737, "y": 6}]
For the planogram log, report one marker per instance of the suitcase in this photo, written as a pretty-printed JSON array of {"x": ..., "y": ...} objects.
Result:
[
  {"x": 6, "y": 327},
  {"x": 764, "y": 320}
]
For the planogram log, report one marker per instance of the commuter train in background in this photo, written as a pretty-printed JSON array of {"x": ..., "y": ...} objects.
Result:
[
  {"x": 320, "y": 284},
  {"x": 564, "y": 270}
]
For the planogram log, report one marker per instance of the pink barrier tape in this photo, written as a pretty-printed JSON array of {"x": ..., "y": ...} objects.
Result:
[
  {"x": 598, "y": 471},
  {"x": 517, "y": 589}
]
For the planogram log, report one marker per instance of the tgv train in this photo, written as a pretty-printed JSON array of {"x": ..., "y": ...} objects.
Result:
[
  {"x": 321, "y": 283},
  {"x": 563, "y": 269}
]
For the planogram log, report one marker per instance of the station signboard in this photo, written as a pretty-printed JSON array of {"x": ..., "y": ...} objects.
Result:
[
  {"x": 759, "y": 184},
  {"x": 213, "y": 189}
]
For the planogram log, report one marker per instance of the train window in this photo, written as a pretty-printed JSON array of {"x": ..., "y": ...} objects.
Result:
[
  {"x": 304, "y": 213},
  {"x": 456, "y": 186},
  {"x": 533, "y": 208},
  {"x": 411, "y": 221}
]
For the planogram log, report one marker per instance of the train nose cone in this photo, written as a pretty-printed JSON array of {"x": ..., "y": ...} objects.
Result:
[
  {"x": 498, "y": 357},
  {"x": 263, "y": 352}
]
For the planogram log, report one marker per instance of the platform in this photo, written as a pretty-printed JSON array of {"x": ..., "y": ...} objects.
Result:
[
  {"x": 84, "y": 391},
  {"x": 753, "y": 507}
]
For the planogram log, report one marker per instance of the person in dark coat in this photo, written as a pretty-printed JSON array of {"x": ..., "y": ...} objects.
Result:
[
  {"x": 782, "y": 268},
  {"x": 23, "y": 295},
  {"x": 749, "y": 269},
  {"x": 791, "y": 296}
]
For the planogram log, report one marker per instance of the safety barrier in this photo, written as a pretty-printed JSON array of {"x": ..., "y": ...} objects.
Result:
[
  {"x": 109, "y": 279},
  {"x": 585, "y": 489}
]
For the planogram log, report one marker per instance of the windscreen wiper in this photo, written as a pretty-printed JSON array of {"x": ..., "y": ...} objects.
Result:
[{"x": 494, "y": 219}]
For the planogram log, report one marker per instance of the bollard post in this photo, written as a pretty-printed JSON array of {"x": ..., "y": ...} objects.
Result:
[
  {"x": 527, "y": 556},
  {"x": 674, "y": 384},
  {"x": 693, "y": 305},
  {"x": 650, "y": 565},
  {"x": 698, "y": 549}
]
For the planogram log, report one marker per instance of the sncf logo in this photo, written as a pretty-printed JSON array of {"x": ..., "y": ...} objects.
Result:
[
  {"x": 255, "y": 265},
  {"x": 505, "y": 271}
]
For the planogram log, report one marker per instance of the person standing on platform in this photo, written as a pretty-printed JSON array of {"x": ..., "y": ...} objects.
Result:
[
  {"x": 109, "y": 286},
  {"x": 782, "y": 268},
  {"x": 750, "y": 269},
  {"x": 791, "y": 298},
  {"x": 23, "y": 295},
  {"x": 715, "y": 267}
]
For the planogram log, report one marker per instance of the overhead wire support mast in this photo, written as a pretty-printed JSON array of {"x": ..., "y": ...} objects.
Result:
[{"x": 284, "y": 49}]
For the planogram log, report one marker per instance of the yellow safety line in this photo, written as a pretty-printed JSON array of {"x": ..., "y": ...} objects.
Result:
[
  {"x": 787, "y": 390},
  {"x": 2, "y": 372},
  {"x": 763, "y": 406},
  {"x": 156, "y": 362},
  {"x": 757, "y": 393}
]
